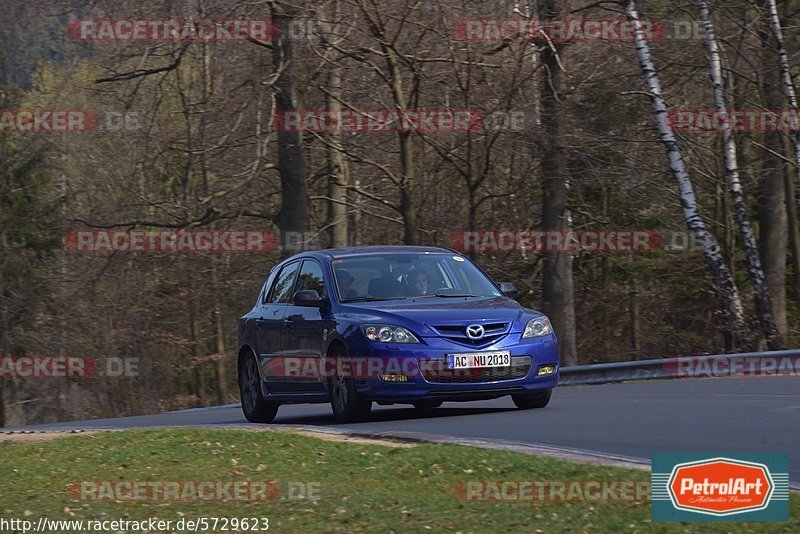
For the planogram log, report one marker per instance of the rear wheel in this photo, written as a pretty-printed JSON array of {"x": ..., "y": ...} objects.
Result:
[
  {"x": 347, "y": 406},
  {"x": 256, "y": 409},
  {"x": 540, "y": 399},
  {"x": 426, "y": 404}
]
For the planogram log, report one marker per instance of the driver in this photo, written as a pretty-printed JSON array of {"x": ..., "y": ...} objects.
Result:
[{"x": 422, "y": 283}]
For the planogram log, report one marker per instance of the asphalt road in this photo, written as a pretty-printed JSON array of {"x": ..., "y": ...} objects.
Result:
[{"x": 630, "y": 420}]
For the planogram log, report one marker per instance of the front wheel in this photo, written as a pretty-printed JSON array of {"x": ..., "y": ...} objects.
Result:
[
  {"x": 347, "y": 406},
  {"x": 540, "y": 399},
  {"x": 256, "y": 409},
  {"x": 426, "y": 404}
]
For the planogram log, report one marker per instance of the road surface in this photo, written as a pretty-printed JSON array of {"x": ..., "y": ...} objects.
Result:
[{"x": 628, "y": 420}]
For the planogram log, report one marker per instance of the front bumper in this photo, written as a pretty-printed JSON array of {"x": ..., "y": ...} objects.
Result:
[{"x": 416, "y": 362}]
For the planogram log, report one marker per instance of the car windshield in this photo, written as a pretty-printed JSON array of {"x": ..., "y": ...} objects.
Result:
[{"x": 401, "y": 276}]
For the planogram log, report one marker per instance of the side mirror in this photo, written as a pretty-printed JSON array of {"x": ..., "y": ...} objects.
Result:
[
  {"x": 307, "y": 297},
  {"x": 508, "y": 289}
]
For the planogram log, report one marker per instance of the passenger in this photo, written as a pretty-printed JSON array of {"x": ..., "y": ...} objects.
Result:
[{"x": 345, "y": 281}]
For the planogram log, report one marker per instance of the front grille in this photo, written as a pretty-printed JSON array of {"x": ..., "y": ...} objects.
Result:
[
  {"x": 458, "y": 333},
  {"x": 436, "y": 372}
]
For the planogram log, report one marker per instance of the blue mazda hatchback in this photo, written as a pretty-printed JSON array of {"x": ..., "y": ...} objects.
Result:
[{"x": 390, "y": 324}]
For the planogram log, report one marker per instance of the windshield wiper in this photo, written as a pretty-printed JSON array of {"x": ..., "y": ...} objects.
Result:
[
  {"x": 414, "y": 297},
  {"x": 445, "y": 295},
  {"x": 370, "y": 299}
]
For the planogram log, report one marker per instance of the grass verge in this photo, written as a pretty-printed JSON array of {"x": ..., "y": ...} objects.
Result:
[{"x": 360, "y": 487}]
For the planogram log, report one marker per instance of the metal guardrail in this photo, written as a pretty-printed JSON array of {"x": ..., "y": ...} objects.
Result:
[{"x": 780, "y": 362}]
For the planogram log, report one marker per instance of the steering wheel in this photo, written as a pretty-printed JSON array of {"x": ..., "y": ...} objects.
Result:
[{"x": 444, "y": 290}]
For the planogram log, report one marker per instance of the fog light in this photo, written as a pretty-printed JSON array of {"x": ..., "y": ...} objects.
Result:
[
  {"x": 547, "y": 370},
  {"x": 394, "y": 378}
]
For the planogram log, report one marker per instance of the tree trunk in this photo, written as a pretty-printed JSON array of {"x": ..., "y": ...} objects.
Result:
[
  {"x": 407, "y": 208},
  {"x": 337, "y": 169},
  {"x": 404, "y": 139},
  {"x": 197, "y": 372},
  {"x": 220, "y": 373},
  {"x": 763, "y": 305},
  {"x": 557, "y": 283},
  {"x": 791, "y": 97},
  {"x": 634, "y": 311},
  {"x": 3, "y": 354},
  {"x": 732, "y": 303},
  {"x": 794, "y": 232},
  {"x": 472, "y": 215},
  {"x": 293, "y": 213},
  {"x": 2, "y": 403},
  {"x": 785, "y": 74},
  {"x": 198, "y": 385},
  {"x": 771, "y": 196},
  {"x": 376, "y": 22}
]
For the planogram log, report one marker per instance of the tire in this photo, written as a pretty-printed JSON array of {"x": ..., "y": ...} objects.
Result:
[
  {"x": 426, "y": 404},
  {"x": 256, "y": 409},
  {"x": 347, "y": 406},
  {"x": 540, "y": 399}
]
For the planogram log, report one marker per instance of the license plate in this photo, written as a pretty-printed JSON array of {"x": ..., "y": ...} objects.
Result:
[{"x": 476, "y": 360}]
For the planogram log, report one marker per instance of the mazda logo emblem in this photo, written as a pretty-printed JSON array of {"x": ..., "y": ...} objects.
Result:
[{"x": 475, "y": 331}]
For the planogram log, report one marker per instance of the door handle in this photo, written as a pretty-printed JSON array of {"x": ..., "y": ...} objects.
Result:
[
  {"x": 287, "y": 323},
  {"x": 260, "y": 322}
]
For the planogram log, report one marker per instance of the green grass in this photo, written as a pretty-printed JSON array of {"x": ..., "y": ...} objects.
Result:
[{"x": 372, "y": 488}]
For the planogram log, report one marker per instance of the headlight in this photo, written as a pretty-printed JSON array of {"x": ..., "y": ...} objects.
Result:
[
  {"x": 388, "y": 334},
  {"x": 538, "y": 327}
]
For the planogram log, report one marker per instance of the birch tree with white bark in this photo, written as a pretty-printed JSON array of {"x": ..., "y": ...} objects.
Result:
[
  {"x": 786, "y": 76},
  {"x": 763, "y": 304},
  {"x": 771, "y": 10},
  {"x": 728, "y": 292}
]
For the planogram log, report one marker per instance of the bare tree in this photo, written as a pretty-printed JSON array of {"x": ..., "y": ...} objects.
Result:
[
  {"x": 771, "y": 191},
  {"x": 337, "y": 165},
  {"x": 558, "y": 288},
  {"x": 293, "y": 214}
]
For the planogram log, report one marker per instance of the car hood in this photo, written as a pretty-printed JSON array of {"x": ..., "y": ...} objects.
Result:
[{"x": 437, "y": 311}]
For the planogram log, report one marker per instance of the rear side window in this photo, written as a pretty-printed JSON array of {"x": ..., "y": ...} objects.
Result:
[
  {"x": 265, "y": 289},
  {"x": 281, "y": 292},
  {"x": 311, "y": 278}
]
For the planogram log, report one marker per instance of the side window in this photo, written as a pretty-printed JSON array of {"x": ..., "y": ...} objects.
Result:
[
  {"x": 265, "y": 289},
  {"x": 262, "y": 296},
  {"x": 311, "y": 278},
  {"x": 282, "y": 290}
]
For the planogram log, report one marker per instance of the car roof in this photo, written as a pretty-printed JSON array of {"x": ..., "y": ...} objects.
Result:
[
  {"x": 379, "y": 249},
  {"x": 349, "y": 252},
  {"x": 383, "y": 249}
]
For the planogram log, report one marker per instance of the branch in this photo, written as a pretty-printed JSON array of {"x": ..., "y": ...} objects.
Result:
[{"x": 142, "y": 72}]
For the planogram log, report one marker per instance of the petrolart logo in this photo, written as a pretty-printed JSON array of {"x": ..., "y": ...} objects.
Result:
[{"x": 717, "y": 487}]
